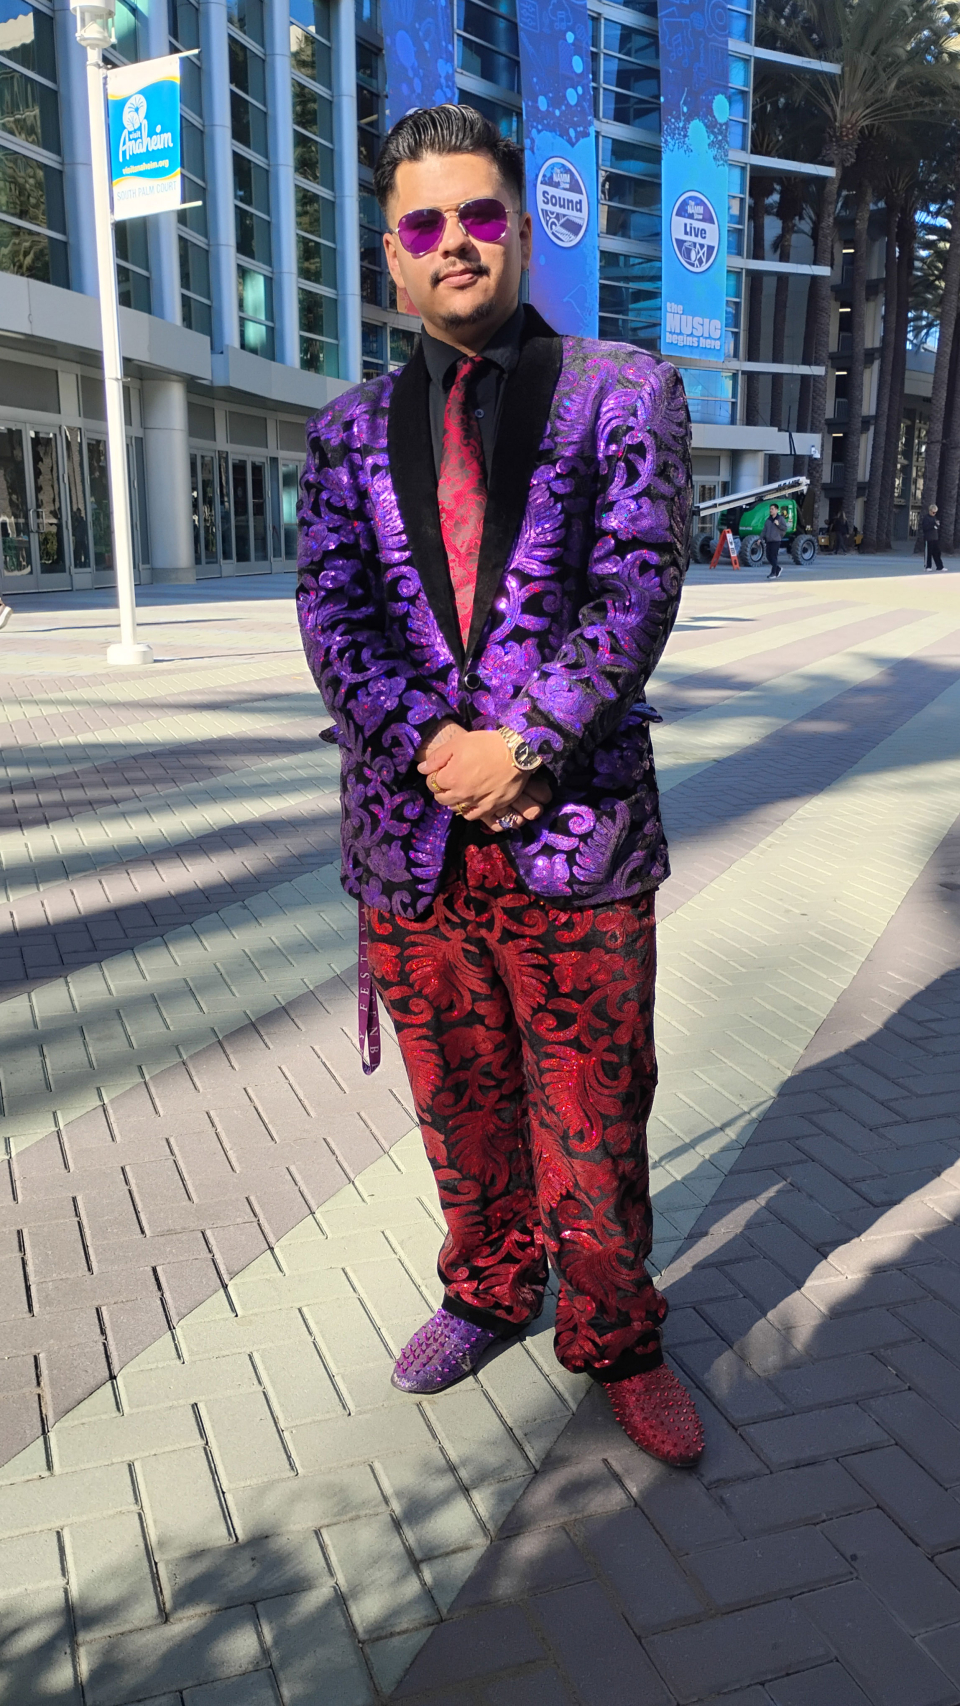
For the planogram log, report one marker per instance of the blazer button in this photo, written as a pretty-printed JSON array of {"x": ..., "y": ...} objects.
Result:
[{"x": 472, "y": 681}]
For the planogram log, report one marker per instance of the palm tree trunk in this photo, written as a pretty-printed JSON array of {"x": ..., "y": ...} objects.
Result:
[
  {"x": 906, "y": 242},
  {"x": 872, "y": 506},
  {"x": 852, "y": 445},
  {"x": 950, "y": 461},
  {"x": 820, "y": 287},
  {"x": 941, "y": 371},
  {"x": 755, "y": 300},
  {"x": 788, "y": 210}
]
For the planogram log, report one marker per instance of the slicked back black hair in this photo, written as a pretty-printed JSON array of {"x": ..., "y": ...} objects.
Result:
[{"x": 445, "y": 130}]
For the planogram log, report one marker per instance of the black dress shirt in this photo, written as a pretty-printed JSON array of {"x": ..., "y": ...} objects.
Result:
[{"x": 500, "y": 357}]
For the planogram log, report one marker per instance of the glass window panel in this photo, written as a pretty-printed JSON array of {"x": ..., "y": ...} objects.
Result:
[
  {"x": 184, "y": 23},
  {"x": 630, "y": 299},
  {"x": 248, "y": 123},
  {"x": 311, "y": 160},
  {"x": 257, "y": 338},
  {"x": 14, "y": 519},
  {"x": 317, "y": 216},
  {"x": 130, "y": 236},
  {"x": 208, "y": 509},
  {"x": 247, "y": 72},
  {"x": 310, "y": 57},
  {"x": 311, "y": 111},
  {"x": 226, "y": 512},
  {"x": 191, "y": 142},
  {"x": 31, "y": 191},
  {"x": 253, "y": 236},
  {"x": 99, "y": 487},
  {"x": 32, "y": 254},
  {"x": 77, "y": 498},
  {"x": 636, "y": 157},
  {"x": 133, "y": 289},
  {"x": 372, "y": 349},
  {"x": 194, "y": 268},
  {"x": 276, "y": 518},
  {"x": 481, "y": 61},
  {"x": 241, "y": 509},
  {"x": 312, "y": 15},
  {"x": 369, "y": 66},
  {"x": 197, "y": 316},
  {"x": 739, "y": 72},
  {"x": 318, "y": 314},
  {"x": 316, "y": 262},
  {"x": 191, "y": 95},
  {"x": 258, "y": 501},
  {"x": 255, "y": 293},
  {"x": 639, "y": 46},
  {"x": 484, "y": 25},
  {"x": 291, "y": 478},
  {"x": 251, "y": 183},
  {"x": 29, "y": 110},
  {"x": 26, "y": 36},
  {"x": 195, "y": 503},
  {"x": 402, "y": 346},
  {"x": 247, "y": 17}
]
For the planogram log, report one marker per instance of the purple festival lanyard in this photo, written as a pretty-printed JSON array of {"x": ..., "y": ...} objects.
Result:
[{"x": 368, "y": 1012}]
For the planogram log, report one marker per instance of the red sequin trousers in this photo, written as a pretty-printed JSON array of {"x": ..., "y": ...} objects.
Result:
[{"x": 527, "y": 1035}]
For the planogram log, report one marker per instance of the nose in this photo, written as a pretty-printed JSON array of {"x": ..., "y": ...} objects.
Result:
[{"x": 454, "y": 237}]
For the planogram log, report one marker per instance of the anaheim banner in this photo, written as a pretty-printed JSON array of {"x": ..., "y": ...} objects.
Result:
[
  {"x": 561, "y": 162},
  {"x": 143, "y": 109},
  {"x": 419, "y": 55},
  {"x": 694, "y": 112}
]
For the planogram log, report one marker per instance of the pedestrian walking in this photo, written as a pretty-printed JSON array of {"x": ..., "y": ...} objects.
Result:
[
  {"x": 930, "y": 529},
  {"x": 493, "y": 543},
  {"x": 774, "y": 529},
  {"x": 5, "y": 613},
  {"x": 841, "y": 533}
]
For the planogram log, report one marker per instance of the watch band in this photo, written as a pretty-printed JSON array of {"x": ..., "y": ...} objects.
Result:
[{"x": 525, "y": 760}]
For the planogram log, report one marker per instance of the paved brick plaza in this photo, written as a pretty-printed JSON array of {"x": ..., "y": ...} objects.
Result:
[{"x": 217, "y": 1233}]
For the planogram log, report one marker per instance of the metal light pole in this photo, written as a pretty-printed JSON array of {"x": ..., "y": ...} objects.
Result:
[{"x": 95, "y": 32}]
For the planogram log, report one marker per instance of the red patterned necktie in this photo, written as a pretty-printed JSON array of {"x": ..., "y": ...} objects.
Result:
[{"x": 462, "y": 490}]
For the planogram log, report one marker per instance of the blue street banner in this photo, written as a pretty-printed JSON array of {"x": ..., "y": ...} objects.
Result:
[
  {"x": 694, "y": 78},
  {"x": 419, "y": 55},
  {"x": 143, "y": 111},
  {"x": 561, "y": 162}
]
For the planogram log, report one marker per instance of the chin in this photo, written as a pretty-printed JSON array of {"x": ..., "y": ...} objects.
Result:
[{"x": 453, "y": 314}]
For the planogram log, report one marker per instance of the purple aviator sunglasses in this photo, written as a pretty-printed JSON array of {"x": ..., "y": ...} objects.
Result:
[{"x": 484, "y": 218}]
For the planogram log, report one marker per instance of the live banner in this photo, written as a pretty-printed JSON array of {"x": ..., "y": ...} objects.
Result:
[
  {"x": 561, "y": 162},
  {"x": 419, "y": 55},
  {"x": 694, "y": 78},
  {"x": 143, "y": 110}
]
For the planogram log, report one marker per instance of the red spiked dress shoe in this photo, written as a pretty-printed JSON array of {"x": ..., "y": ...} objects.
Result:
[{"x": 657, "y": 1412}]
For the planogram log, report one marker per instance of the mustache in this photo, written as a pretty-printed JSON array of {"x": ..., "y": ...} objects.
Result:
[{"x": 478, "y": 268}]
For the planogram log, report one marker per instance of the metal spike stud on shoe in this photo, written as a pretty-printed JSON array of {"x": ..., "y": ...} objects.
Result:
[
  {"x": 441, "y": 1352},
  {"x": 656, "y": 1411}
]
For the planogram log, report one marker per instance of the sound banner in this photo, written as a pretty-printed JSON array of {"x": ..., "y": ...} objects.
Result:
[
  {"x": 419, "y": 54},
  {"x": 561, "y": 162},
  {"x": 694, "y": 78}
]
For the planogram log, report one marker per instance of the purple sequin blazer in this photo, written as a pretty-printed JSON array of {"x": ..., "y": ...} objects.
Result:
[{"x": 582, "y": 560}]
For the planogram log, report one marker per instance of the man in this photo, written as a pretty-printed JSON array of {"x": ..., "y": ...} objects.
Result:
[
  {"x": 841, "y": 532},
  {"x": 930, "y": 529},
  {"x": 493, "y": 543},
  {"x": 774, "y": 529},
  {"x": 5, "y": 613}
]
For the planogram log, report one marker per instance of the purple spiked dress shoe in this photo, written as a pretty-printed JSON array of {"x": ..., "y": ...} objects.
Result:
[{"x": 441, "y": 1352}]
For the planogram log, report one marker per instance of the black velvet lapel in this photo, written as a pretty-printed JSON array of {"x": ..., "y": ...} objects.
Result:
[
  {"x": 415, "y": 483},
  {"x": 527, "y": 399}
]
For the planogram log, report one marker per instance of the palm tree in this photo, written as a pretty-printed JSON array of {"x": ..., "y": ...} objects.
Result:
[
  {"x": 855, "y": 372},
  {"x": 941, "y": 371},
  {"x": 950, "y": 460},
  {"x": 895, "y": 61},
  {"x": 790, "y": 206},
  {"x": 893, "y": 199},
  {"x": 906, "y": 250}
]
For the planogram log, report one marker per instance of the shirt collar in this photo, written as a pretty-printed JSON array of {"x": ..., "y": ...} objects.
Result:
[{"x": 503, "y": 348}]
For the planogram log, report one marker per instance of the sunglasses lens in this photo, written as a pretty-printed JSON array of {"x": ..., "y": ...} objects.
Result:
[
  {"x": 485, "y": 219},
  {"x": 421, "y": 231}
]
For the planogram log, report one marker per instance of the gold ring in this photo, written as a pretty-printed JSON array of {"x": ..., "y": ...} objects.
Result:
[
  {"x": 459, "y": 810},
  {"x": 433, "y": 783}
]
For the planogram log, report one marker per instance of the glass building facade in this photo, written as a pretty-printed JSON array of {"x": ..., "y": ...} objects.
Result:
[{"x": 268, "y": 292}]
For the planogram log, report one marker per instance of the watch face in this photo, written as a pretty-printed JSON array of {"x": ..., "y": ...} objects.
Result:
[{"x": 524, "y": 756}]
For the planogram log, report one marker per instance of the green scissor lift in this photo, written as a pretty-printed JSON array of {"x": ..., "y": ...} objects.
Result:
[{"x": 755, "y": 507}]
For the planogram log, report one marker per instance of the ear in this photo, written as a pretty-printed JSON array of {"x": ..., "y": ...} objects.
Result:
[
  {"x": 526, "y": 240},
  {"x": 393, "y": 259}
]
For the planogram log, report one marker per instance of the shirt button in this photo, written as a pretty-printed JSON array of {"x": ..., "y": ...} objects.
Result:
[
  {"x": 472, "y": 681},
  {"x": 479, "y": 414}
]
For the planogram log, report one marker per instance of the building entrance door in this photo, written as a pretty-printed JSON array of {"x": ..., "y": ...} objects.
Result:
[{"x": 32, "y": 535}]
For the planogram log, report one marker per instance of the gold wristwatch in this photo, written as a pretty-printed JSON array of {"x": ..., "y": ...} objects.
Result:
[{"x": 521, "y": 751}]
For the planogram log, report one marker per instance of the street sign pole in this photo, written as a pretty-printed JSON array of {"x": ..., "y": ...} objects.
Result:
[{"x": 129, "y": 650}]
